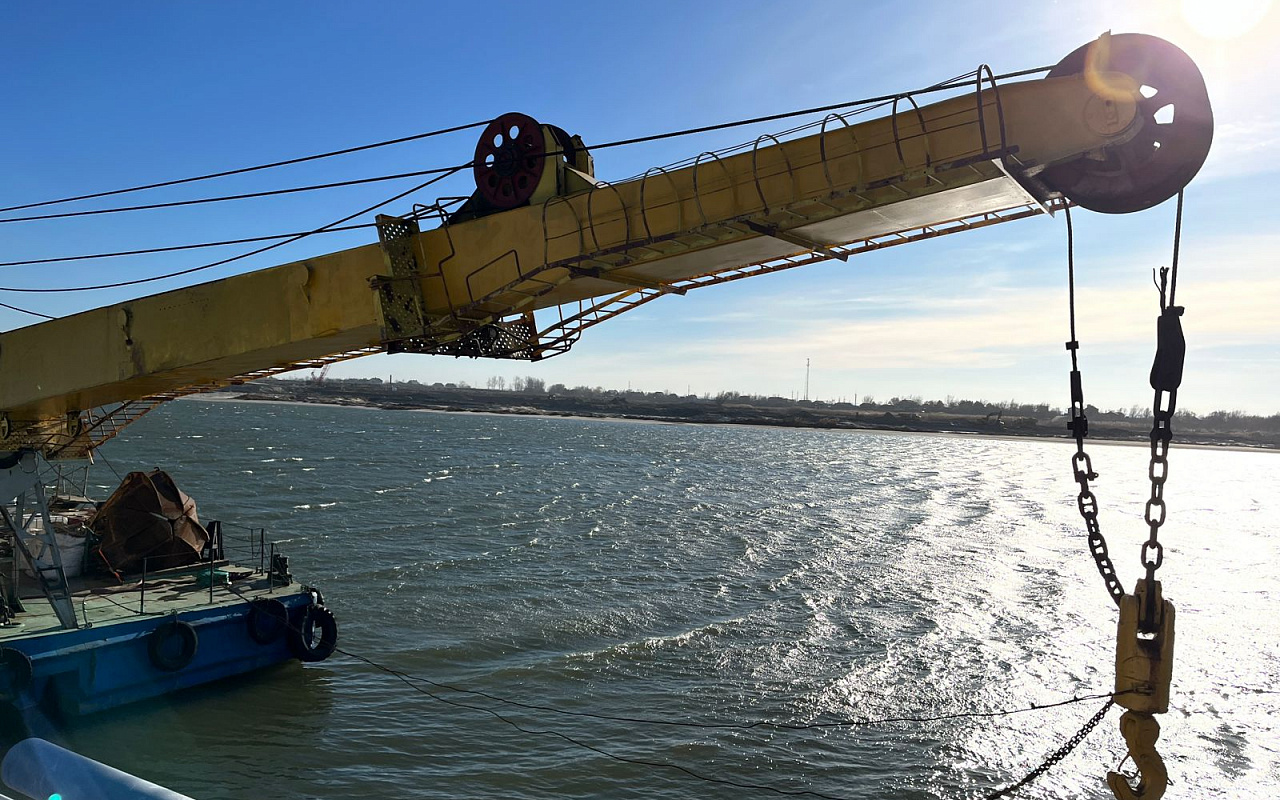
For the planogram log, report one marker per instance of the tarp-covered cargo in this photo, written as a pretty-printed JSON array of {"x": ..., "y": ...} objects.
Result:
[{"x": 148, "y": 518}]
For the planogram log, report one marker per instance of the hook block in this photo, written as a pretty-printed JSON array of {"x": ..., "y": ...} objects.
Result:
[{"x": 1144, "y": 658}]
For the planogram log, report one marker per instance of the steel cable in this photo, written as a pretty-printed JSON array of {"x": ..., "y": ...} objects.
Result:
[
  {"x": 335, "y": 229},
  {"x": 289, "y": 240},
  {"x": 243, "y": 170},
  {"x": 171, "y": 249},
  {"x": 27, "y": 311},
  {"x": 243, "y": 196},
  {"x": 1057, "y": 755},
  {"x": 945, "y": 85},
  {"x": 868, "y": 104},
  {"x": 845, "y": 723}
]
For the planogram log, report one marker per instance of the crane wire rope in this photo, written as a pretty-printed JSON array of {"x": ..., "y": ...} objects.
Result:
[
  {"x": 577, "y": 742},
  {"x": 336, "y": 228},
  {"x": 345, "y": 183},
  {"x": 441, "y": 173},
  {"x": 1049, "y": 762},
  {"x": 1081, "y": 463},
  {"x": 243, "y": 170},
  {"x": 376, "y": 178},
  {"x": 289, "y": 240},
  {"x": 1165, "y": 378},
  {"x": 783, "y": 726},
  {"x": 870, "y": 103},
  {"x": 27, "y": 311},
  {"x": 1057, "y": 755},
  {"x": 242, "y": 196},
  {"x": 173, "y": 249},
  {"x": 409, "y": 679}
]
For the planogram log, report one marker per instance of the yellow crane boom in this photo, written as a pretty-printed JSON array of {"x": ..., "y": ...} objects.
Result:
[{"x": 542, "y": 233}]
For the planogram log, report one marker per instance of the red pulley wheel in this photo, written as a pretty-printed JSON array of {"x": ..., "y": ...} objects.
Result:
[{"x": 509, "y": 161}]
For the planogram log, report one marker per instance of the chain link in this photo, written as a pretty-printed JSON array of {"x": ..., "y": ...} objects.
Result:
[
  {"x": 1087, "y": 503},
  {"x": 1166, "y": 376},
  {"x": 1081, "y": 465},
  {"x": 1152, "y": 555},
  {"x": 1057, "y": 755}
]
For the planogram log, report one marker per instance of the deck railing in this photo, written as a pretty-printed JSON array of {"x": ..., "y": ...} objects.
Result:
[{"x": 242, "y": 545}]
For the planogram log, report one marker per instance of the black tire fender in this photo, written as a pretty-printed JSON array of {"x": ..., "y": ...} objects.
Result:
[
  {"x": 268, "y": 620},
  {"x": 315, "y": 636},
  {"x": 15, "y": 673},
  {"x": 172, "y": 645}
]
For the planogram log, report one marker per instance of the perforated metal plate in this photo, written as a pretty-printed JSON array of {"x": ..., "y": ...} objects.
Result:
[{"x": 400, "y": 295}]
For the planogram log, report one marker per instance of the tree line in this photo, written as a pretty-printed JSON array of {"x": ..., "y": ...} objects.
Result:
[{"x": 1219, "y": 420}]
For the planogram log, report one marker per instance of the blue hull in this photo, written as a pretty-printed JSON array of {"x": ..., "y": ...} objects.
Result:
[{"x": 94, "y": 669}]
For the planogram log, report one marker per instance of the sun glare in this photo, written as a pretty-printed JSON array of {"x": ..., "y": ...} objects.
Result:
[{"x": 1224, "y": 19}]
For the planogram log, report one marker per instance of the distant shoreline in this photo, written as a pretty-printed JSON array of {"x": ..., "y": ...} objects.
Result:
[{"x": 866, "y": 427}]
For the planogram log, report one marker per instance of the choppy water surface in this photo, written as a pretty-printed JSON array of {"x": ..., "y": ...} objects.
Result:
[{"x": 704, "y": 574}]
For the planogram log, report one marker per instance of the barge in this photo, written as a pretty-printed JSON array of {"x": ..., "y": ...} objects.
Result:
[{"x": 186, "y": 608}]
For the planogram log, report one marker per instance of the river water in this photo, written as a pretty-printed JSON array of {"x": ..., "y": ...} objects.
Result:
[{"x": 712, "y": 574}]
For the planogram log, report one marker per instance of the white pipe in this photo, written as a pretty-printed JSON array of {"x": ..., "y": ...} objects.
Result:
[{"x": 44, "y": 770}]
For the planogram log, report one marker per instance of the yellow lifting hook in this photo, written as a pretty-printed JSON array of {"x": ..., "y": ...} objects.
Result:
[{"x": 1144, "y": 669}]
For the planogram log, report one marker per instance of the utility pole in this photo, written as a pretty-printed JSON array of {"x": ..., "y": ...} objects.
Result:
[{"x": 806, "y": 380}]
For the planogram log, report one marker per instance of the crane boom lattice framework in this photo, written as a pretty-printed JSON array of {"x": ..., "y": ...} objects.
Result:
[{"x": 543, "y": 251}]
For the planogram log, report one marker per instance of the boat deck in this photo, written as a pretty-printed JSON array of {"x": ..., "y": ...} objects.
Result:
[{"x": 104, "y": 601}]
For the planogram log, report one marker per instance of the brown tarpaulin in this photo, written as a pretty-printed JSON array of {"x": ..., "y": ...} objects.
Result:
[{"x": 149, "y": 518}]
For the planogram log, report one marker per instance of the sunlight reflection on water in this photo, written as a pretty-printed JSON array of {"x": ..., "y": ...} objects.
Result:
[{"x": 695, "y": 573}]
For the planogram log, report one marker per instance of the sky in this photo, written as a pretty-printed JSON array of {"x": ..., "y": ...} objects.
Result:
[{"x": 107, "y": 95}]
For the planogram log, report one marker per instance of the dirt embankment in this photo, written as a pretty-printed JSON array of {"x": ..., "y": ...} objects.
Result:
[{"x": 705, "y": 411}]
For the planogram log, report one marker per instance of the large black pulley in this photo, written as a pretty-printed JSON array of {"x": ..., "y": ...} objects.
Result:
[
  {"x": 509, "y": 161},
  {"x": 1176, "y": 126}
]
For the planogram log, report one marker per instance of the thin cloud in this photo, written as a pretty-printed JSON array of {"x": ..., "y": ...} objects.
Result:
[
  {"x": 1002, "y": 326},
  {"x": 1247, "y": 147}
]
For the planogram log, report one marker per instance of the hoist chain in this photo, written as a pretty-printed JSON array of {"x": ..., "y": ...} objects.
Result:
[
  {"x": 1081, "y": 464},
  {"x": 1087, "y": 502},
  {"x": 1056, "y": 755},
  {"x": 1166, "y": 376},
  {"x": 1161, "y": 435}
]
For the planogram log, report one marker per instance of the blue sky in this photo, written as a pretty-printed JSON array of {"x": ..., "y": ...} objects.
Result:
[{"x": 101, "y": 96}]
